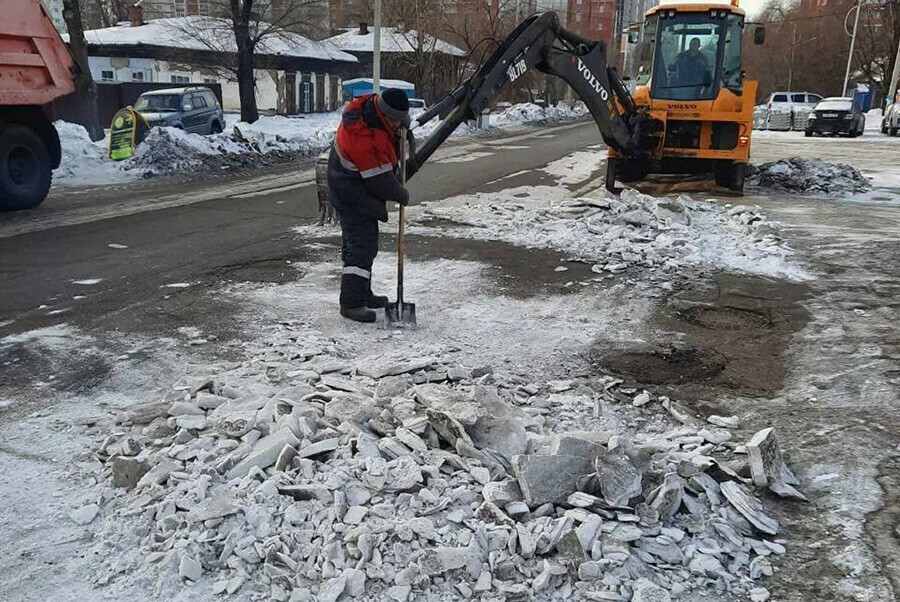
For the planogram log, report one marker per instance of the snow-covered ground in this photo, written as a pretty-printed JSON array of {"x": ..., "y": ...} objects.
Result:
[
  {"x": 170, "y": 151},
  {"x": 633, "y": 232}
]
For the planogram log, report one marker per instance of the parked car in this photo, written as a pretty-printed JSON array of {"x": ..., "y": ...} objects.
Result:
[
  {"x": 890, "y": 121},
  {"x": 417, "y": 103},
  {"x": 195, "y": 110},
  {"x": 837, "y": 115},
  {"x": 787, "y": 100}
]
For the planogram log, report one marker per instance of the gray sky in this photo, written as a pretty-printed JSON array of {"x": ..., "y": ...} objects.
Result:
[{"x": 751, "y": 6}]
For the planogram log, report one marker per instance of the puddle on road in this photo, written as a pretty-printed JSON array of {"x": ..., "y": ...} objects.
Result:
[
  {"x": 728, "y": 334},
  {"x": 664, "y": 366}
]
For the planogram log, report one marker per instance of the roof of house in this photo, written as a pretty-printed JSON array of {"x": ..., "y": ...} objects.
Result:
[
  {"x": 385, "y": 83},
  {"x": 393, "y": 39},
  {"x": 211, "y": 34}
]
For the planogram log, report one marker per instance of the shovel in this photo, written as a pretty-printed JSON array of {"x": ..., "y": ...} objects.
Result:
[{"x": 400, "y": 314}]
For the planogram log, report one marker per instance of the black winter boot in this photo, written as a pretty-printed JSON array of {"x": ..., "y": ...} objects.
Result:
[
  {"x": 358, "y": 314},
  {"x": 376, "y": 301}
]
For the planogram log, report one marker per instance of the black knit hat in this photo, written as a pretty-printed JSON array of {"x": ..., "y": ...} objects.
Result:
[{"x": 395, "y": 105}]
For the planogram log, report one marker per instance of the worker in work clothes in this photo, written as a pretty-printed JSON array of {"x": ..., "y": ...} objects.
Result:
[
  {"x": 692, "y": 66},
  {"x": 362, "y": 177}
]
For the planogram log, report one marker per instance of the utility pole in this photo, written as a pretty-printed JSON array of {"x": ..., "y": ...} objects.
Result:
[
  {"x": 852, "y": 44},
  {"x": 376, "y": 50},
  {"x": 892, "y": 90},
  {"x": 795, "y": 44}
]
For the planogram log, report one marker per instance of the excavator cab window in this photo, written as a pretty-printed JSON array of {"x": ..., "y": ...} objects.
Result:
[
  {"x": 646, "y": 47},
  {"x": 697, "y": 54}
]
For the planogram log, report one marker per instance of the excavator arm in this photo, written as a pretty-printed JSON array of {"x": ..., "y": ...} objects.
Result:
[{"x": 541, "y": 43}]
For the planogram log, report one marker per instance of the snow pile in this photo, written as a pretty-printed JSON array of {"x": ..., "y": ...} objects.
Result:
[
  {"x": 760, "y": 117},
  {"x": 167, "y": 151},
  {"x": 617, "y": 234},
  {"x": 271, "y": 139},
  {"x": 304, "y": 136},
  {"x": 305, "y": 473},
  {"x": 798, "y": 174},
  {"x": 532, "y": 113},
  {"x": 83, "y": 160}
]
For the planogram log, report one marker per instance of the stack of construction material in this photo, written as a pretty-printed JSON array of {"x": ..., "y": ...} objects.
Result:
[
  {"x": 801, "y": 118},
  {"x": 779, "y": 119}
]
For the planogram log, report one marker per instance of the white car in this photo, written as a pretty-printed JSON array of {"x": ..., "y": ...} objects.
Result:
[
  {"x": 787, "y": 100},
  {"x": 890, "y": 122}
]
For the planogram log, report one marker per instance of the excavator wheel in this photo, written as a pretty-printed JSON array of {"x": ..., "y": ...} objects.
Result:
[
  {"x": 631, "y": 170},
  {"x": 731, "y": 175}
]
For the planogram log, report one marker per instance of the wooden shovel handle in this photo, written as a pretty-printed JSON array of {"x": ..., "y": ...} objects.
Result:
[{"x": 401, "y": 219}]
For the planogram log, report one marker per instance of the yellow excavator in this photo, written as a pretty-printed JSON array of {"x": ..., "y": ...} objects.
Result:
[
  {"x": 692, "y": 110},
  {"x": 688, "y": 78}
]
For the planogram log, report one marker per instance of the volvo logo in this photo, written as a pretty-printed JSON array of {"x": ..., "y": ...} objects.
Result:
[{"x": 592, "y": 80}]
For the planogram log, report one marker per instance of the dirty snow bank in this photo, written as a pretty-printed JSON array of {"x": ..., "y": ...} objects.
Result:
[
  {"x": 305, "y": 471},
  {"x": 661, "y": 235},
  {"x": 271, "y": 139},
  {"x": 812, "y": 176},
  {"x": 83, "y": 160}
]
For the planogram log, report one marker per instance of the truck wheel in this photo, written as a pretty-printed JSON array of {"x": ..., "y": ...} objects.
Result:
[
  {"x": 731, "y": 175},
  {"x": 25, "y": 172}
]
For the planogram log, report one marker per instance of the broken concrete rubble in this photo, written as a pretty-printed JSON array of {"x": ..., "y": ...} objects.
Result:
[
  {"x": 767, "y": 465},
  {"x": 337, "y": 484},
  {"x": 548, "y": 478}
]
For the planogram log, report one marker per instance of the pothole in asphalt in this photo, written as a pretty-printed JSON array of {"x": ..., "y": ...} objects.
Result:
[
  {"x": 725, "y": 318},
  {"x": 664, "y": 366}
]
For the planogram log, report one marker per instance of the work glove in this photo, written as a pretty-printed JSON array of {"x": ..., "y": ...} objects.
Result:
[{"x": 403, "y": 198}]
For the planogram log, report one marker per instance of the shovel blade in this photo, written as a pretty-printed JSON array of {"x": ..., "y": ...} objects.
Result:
[{"x": 400, "y": 315}]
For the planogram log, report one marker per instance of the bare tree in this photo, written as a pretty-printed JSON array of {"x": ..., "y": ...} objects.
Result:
[
  {"x": 417, "y": 26},
  {"x": 85, "y": 89},
  {"x": 807, "y": 47},
  {"x": 240, "y": 28}
]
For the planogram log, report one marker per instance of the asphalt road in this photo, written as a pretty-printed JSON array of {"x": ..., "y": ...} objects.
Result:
[{"x": 58, "y": 260}]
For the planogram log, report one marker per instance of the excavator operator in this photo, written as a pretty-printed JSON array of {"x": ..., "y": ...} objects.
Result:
[{"x": 691, "y": 67}]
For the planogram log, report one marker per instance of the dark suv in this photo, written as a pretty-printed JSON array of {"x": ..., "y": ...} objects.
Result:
[
  {"x": 194, "y": 110},
  {"x": 836, "y": 116}
]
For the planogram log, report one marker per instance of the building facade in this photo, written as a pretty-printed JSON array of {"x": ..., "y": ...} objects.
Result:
[
  {"x": 593, "y": 19},
  {"x": 294, "y": 74}
]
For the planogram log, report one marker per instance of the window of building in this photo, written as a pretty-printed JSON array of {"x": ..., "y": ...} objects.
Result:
[
  {"x": 578, "y": 17},
  {"x": 179, "y": 79},
  {"x": 107, "y": 75},
  {"x": 210, "y": 80},
  {"x": 599, "y": 26},
  {"x": 137, "y": 76}
]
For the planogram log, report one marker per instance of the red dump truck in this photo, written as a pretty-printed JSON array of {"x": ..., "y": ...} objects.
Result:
[{"x": 35, "y": 69}]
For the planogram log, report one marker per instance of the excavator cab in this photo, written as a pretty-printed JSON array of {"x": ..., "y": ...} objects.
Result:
[{"x": 687, "y": 75}]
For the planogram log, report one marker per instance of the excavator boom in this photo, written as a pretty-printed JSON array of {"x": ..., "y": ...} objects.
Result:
[{"x": 541, "y": 43}]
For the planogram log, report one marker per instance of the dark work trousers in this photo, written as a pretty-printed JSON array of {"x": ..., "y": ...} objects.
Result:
[{"x": 359, "y": 246}]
